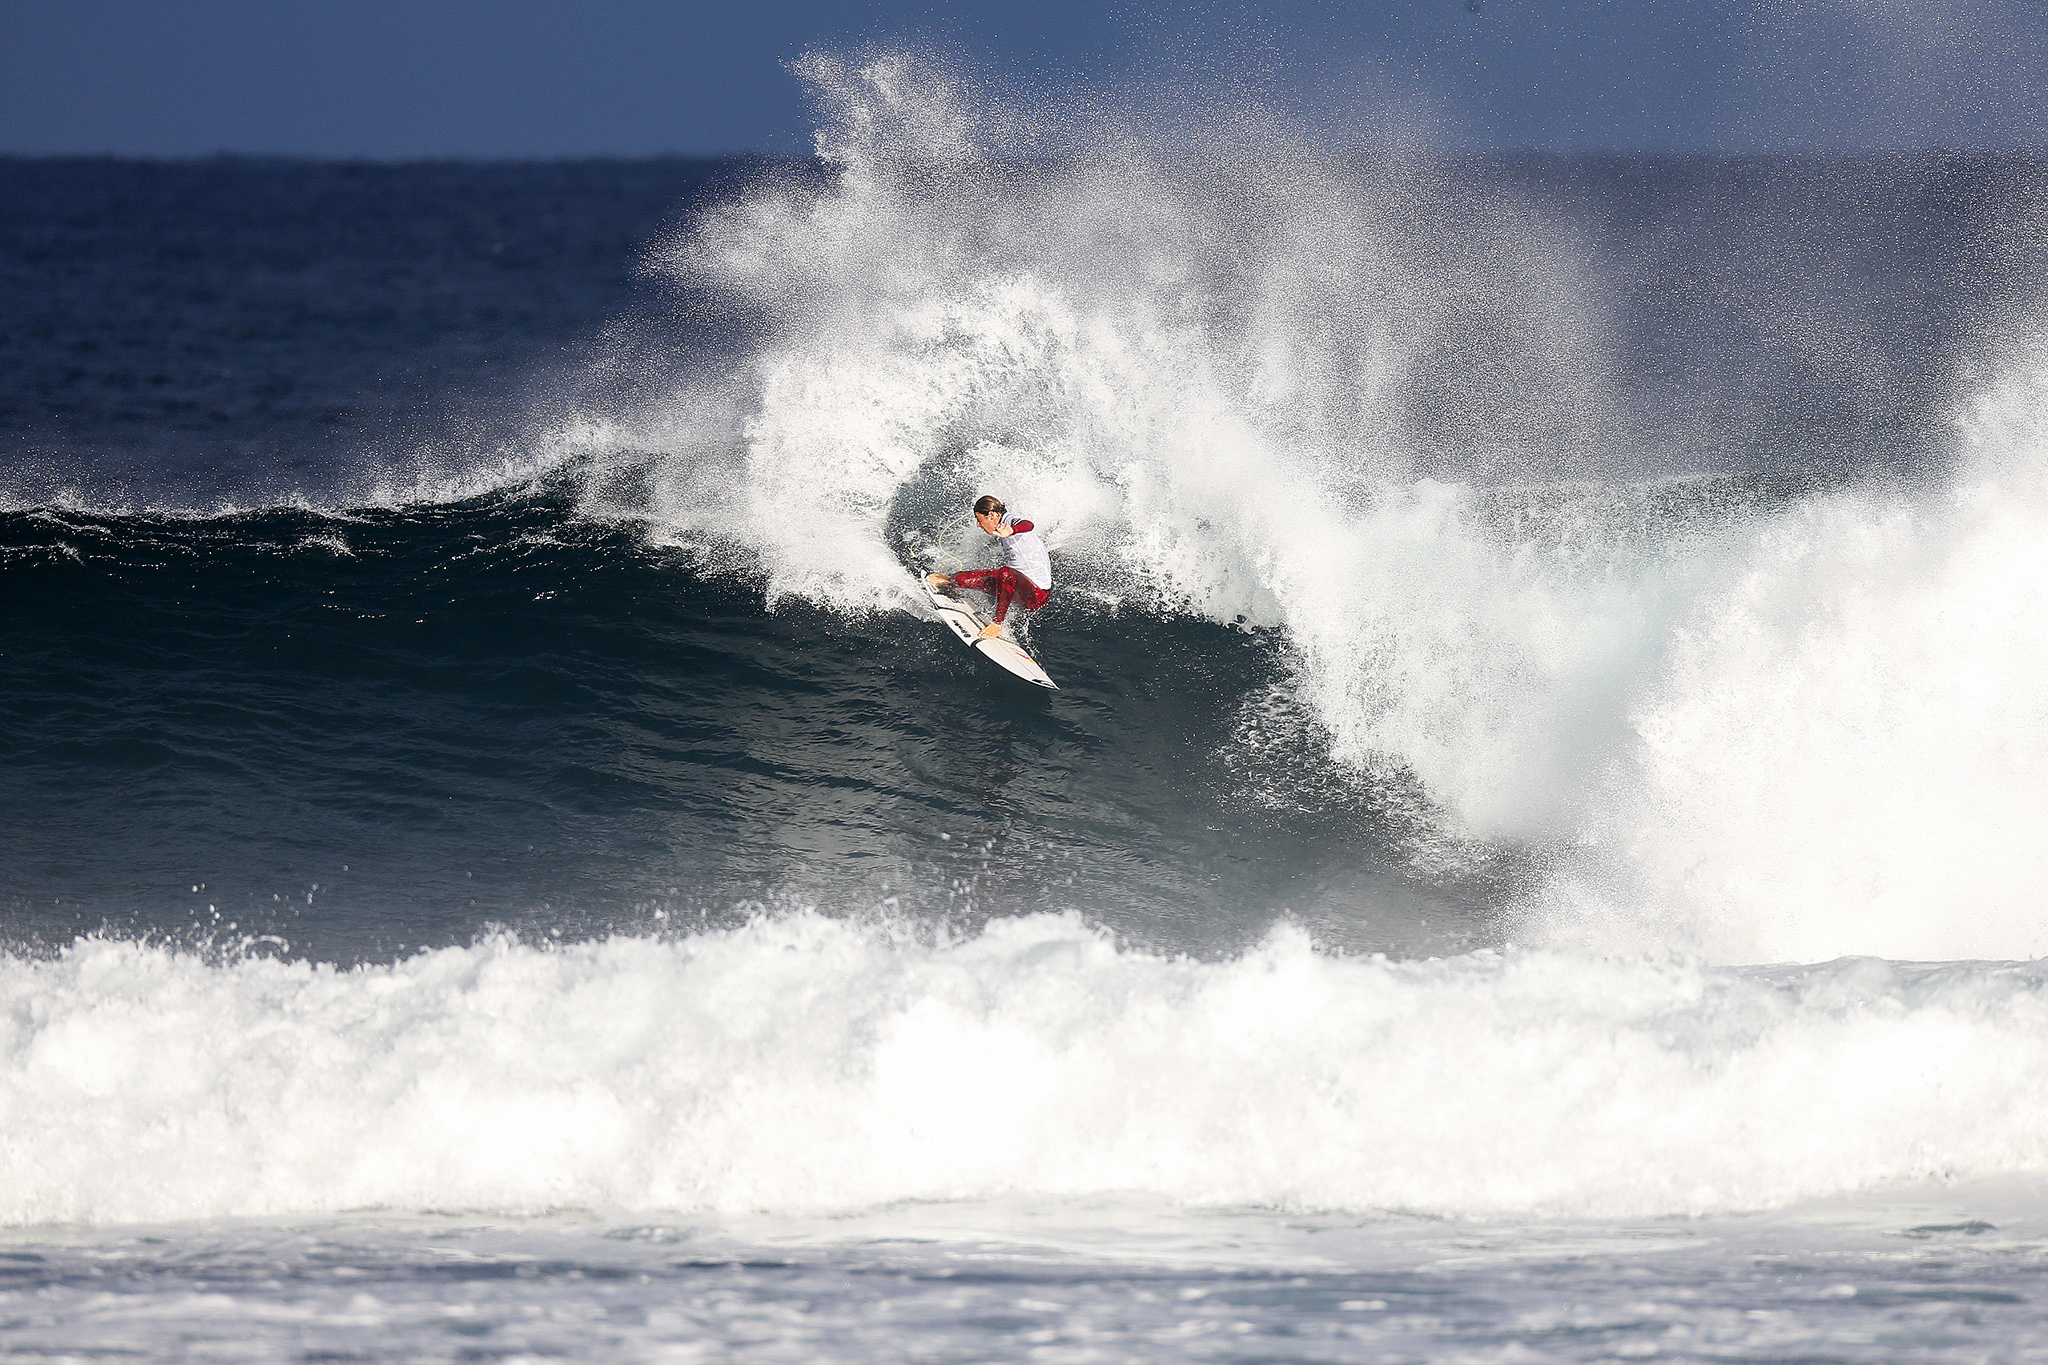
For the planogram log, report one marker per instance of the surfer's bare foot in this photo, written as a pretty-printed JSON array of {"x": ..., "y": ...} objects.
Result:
[{"x": 938, "y": 580}]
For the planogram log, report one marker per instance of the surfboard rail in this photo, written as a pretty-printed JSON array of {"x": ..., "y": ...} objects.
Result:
[{"x": 967, "y": 623}]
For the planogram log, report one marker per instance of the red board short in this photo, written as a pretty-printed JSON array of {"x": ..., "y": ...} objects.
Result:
[{"x": 1005, "y": 583}]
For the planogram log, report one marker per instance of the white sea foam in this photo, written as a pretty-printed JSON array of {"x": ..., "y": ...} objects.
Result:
[
  {"x": 802, "y": 1064},
  {"x": 1843, "y": 751}
]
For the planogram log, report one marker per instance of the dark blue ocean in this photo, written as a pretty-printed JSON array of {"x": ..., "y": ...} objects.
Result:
[{"x": 1535, "y": 854}]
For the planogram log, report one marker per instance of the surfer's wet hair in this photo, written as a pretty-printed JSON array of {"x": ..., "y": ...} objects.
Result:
[{"x": 987, "y": 503}]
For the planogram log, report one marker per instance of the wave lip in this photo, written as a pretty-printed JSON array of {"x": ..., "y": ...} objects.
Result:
[{"x": 802, "y": 1065}]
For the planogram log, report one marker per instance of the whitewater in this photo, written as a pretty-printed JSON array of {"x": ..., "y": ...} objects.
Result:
[
  {"x": 1530, "y": 861},
  {"x": 803, "y": 1065}
]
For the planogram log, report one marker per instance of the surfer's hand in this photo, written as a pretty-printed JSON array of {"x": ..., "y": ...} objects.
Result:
[{"x": 990, "y": 631}]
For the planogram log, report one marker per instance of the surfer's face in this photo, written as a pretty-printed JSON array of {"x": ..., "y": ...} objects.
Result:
[{"x": 988, "y": 521}]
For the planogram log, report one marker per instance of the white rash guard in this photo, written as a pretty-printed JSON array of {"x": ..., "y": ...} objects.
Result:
[{"x": 1026, "y": 553}]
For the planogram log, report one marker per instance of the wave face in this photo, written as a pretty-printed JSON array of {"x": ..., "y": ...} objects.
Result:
[
  {"x": 365, "y": 732},
  {"x": 804, "y": 1065},
  {"x": 1505, "y": 607}
]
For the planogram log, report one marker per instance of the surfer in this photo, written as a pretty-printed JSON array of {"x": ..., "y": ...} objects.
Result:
[{"x": 1026, "y": 574}]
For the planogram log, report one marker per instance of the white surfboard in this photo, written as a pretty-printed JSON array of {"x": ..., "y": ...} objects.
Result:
[{"x": 967, "y": 623}]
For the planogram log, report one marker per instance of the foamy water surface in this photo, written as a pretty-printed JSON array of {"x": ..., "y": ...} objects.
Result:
[{"x": 1534, "y": 856}]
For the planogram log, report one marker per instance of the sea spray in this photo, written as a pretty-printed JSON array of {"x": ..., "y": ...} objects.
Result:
[
  {"x": 1218, "y": 371},
  {"x": 1134, "y": 330}
]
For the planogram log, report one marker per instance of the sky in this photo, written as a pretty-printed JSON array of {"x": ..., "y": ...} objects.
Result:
[{"x": 552, "y": 78}]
